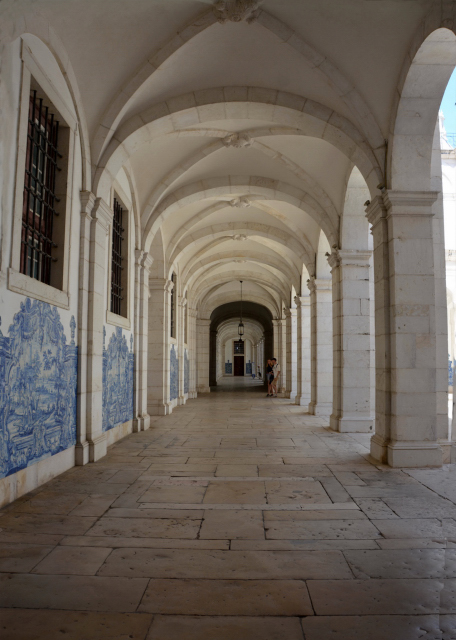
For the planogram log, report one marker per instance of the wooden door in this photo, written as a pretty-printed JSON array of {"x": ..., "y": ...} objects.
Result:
[{"x": 238, "y": 365}]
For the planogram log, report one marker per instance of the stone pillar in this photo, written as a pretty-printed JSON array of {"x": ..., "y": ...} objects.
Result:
[
  {"x": 291, "y": 324},
  {"x": 321, "y": 346},
  {"x": 203, "y": 326},
  {"x": 283, "y": 356},
  {"x": 406, "y": 407},
  {"x": 303, "y": 355},
  {"x": 158, "y": 391},
  {"x": 96, "y": 219},
  {"x": 143, "y": 263},
  {"x": 182, "y": 310},
  {"x": 192, "y": 313},
  {"x": 351, "y": 342}
]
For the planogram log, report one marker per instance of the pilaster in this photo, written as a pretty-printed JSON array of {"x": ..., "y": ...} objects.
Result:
[
  {"x": 303, "y": 355},
  {"x": 158, "y": 382},
  {"x": 202, "y": 356},
  {"x": 291, "y": 364},
  {"x": 321, "y": 346},
  {"x": 96, "y": 219},
  {"x": 143, "y": 263}
]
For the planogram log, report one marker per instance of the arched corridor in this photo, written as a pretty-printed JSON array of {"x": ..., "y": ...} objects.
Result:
[
  {"x": 238, "y": 516},
  {"x": 227, "y": 319}
]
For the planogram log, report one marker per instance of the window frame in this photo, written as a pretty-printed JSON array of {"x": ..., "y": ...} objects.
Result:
[
  {"x": 56, "y": 293},
  {"x": 112, "y": 318}
]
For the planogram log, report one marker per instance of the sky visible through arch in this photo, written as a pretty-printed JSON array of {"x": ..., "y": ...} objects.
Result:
[{"x": 448, "y": 105}]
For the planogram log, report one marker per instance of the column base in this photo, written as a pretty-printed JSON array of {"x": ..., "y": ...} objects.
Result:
[
  {"x": 81, "y": 454},
  {"x": 182, "y": 399},
  {"x": 449, "y": 451},
  {"x": 203, "y": 389},
  {"x": 160, "y": 409},
  {"x": 302, "y": 401},
  {"x": 408, "y": 454},
  {"x": 141, "y": 423},
  {"x": 322, "y": 409},
  {"x": 351, "y": 425},
  {"x": 97, "y": 448},
  {"x": 192, "y": 395}
]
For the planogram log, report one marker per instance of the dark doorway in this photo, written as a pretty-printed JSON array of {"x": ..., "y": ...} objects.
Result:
[{"x": 238, "y": 365}]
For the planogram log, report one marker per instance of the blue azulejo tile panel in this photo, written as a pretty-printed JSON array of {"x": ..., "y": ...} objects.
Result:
[
  {"x": 173, "y": 373},
  {"x": 229, "y": 368},
  {"x": 38, "y": 381},
  {"x": 248, "y": 368},
  {"x": 118, "y": 364},
  {"x": 450, "y": 371},
  {"x": 186, "y": 372}
]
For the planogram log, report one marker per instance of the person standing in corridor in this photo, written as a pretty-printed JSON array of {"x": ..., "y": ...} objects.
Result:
[
  {"x": 276, "y": 374},
  {"x": 269, "y": 377}
]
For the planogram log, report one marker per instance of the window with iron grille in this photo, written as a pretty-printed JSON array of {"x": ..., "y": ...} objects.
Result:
[
  {"x": 173, "y": 307},
  {"x": 39, "y": 200},
  {"x": 239, "y": 347},
  {"x": 117, "y": 258}
]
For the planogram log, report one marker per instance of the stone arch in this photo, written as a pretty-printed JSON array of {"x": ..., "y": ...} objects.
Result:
[
  {"x": 315, "y": 60},
  {"x": 257, "y": 187},
  {"x": 251, "y": 103},
  {"x": 420, "y": 94}
]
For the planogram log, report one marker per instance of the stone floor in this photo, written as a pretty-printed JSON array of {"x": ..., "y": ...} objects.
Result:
[{"x": 238, "y": 517}]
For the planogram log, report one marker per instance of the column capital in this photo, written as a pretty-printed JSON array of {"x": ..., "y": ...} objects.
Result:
[
  {"x": 333, "y": 257},
  {"x": 143, "y": 259},
  {"x": 410, "y": 203},
  {"x": 102, "y": 213},
  {"x": 354, "y": 257},
  {"x": 311, "y": 284},
  {"x": 302, "y": 301},
  {"x": 376, "y": 211},
  {"x": 290, "y": 312},
  {"x": 182, "y": 301},
  {"x": 204, "y": 322},
  {"x": 87, "y": 203},
  {"x": 162, "y": 284}
]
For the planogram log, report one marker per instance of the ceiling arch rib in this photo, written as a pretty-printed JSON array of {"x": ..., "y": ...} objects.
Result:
[
  {"x": 249, "y": 103},
  {"x": 180, "y": 246},
  {"x": 257, "y": 257},
  {"x": 311, "y": 185},
  {"x": 271, "y": 285},
  {"x": 318, "y": 62},
  {"x": 217, "y": 297},
  {"x": 256, "y": 187},
  {"x": 272, "y": 266}
]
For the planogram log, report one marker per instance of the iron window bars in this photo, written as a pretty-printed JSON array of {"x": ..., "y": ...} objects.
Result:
[
  {"x": 173, "y": 311},
  {"x": 39, "y": 200},
  {"x": 239, "y": 347},
  {"x": 117, "y": 259}
]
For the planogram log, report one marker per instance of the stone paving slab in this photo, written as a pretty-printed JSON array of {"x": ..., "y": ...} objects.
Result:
[
  {"x": 248, "y": 565},
  {"x": 376, "y": 627},
  {"x": 35, "y": 624},
  {"x": 375, "y": 597},
  {"x": 79, "y": 593},
  {"x": 227, "y": 598},
  {"x": 225, "y": 628}
]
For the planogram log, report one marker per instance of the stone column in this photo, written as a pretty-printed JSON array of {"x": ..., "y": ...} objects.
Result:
[
  {"x": 143, "y": 263},
  {"x": 303, "y": 356},
  {"x": 182, "y": 310},
  {"x": 203, "y": 326},
  {"x": 283, "y": 356},
  {"x": 321, "y": 346},
  {"x": 351, "y": 341},
  {"x": 291, "y": 324},
  {"x": 96, "y": 218},
  {"x": 158, "y": 390},
  {"x": 192, "y": 313},
  {"x": 406, "y": 407}
]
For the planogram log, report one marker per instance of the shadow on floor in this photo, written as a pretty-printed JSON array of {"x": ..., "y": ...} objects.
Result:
[{"x": 239, "y": 384}]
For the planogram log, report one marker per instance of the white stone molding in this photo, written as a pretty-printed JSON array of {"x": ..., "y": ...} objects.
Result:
[{"x": 237, "y": 140}]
